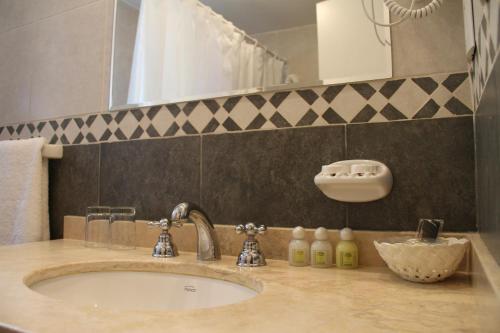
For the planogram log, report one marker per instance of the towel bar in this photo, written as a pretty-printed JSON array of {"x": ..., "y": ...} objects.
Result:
[{"x": 52, "y": 151}]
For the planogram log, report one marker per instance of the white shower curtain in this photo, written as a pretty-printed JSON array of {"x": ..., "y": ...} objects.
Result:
[{"x": 184, "y": 49}]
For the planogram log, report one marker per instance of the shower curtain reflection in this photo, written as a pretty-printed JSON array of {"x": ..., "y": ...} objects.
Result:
[{"x": 183, "y": 48}]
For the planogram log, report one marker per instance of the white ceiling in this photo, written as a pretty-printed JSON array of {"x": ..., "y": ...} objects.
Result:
[{"x": 256, "y": 16}]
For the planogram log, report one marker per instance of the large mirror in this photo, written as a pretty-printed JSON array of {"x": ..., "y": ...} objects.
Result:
[{"x": 167, "y": 51}]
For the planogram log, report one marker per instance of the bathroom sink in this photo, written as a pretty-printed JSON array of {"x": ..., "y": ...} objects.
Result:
[{"x": 136, "y": 290}]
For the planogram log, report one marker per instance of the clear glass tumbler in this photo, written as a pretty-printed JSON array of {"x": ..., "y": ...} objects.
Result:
[
  {"x": 122, "y": 228},
  {"x": 97, "y": 226}
]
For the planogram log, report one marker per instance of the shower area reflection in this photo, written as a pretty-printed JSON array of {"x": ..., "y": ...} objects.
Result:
[
  {"x": 184, "y": 48},
  {"x": 168, "y": 51}
]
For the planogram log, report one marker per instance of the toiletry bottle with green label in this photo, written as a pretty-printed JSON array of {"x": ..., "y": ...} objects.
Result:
[
  {"x": 321, "y": 249},
  {"x": 298, "y": 249},
  {"x": 346, "y": 251}
]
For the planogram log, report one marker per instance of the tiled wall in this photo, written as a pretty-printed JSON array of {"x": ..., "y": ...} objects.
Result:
[
  {"x": 486, "y": 84},
  {"x": 434, "y": 44},
  {"x": 55, "y": 55},
  {"x": 253, "y": 158},
  {"x": 487, "y": 36},
  {"x": 249, "y": 157},
  {"x": 267, "y": 176},
  {"x": 436, "y": 96},
  {"x": 54, "y": 58}
]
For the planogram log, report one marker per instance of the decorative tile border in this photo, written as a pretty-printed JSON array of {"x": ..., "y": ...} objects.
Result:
[
  {"x": 435, "y": 96},
  {"x": 487, "y": 37}
]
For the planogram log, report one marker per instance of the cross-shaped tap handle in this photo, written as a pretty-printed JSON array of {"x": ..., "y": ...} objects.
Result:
[
  {"x": 165, "y": 224},
  {"x": 250, "y": 229}
]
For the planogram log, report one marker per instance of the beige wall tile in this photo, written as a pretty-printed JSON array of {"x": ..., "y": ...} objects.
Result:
[
  {"x": 107, "y": 45},
  {"x": 70, "y": 53},
  {"x": 74, "y": 227},
  {"x": 16, "y": 65},
  {"x": 13, "y": 14},
  {"x": 16, "y": 13},
  {"x": 434, "y": 44}
]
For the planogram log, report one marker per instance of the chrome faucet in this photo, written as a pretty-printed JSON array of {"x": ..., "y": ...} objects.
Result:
[
  {"x": 165, "y": 247},
  {"x": 251, "y": 256},
  {"x": 207, "y": 246}
]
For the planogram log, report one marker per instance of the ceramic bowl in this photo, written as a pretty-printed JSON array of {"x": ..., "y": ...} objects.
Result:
[{"x": 423, "y": 262}]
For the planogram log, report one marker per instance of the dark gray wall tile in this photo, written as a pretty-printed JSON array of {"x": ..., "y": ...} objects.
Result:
[
  {"x": 432, "y": 162},
  {"x": 151, "y": 175},
  {"x": 73, "y": 184},
  {"x": 267, "y": 177},
  {"x": 488, "y": 163}
]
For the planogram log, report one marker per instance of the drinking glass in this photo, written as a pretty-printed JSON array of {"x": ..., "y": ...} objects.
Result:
[
  {"x": 122, "y": 228},
  {"x": 97, "y": 226}
]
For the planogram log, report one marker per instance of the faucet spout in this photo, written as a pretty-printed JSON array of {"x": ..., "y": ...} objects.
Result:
[{"x": 207, "y": 245}]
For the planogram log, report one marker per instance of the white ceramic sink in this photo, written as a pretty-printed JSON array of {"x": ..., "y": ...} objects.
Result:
[{"x": 142, "y": 290}]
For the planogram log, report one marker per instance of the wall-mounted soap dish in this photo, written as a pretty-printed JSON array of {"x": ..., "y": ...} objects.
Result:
[{"x": 355, "y": 180}]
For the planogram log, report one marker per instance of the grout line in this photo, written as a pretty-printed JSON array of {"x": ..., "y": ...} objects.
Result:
[
  {"x": 41, "y": 19},
  {"x": 345, "y": 141},
  {"x": 345, "y": 157},
  {"x": 476, "y": 165},
  {"x": 99, "y": 177},
  {"x": 201, "y": 170},
  {"x": 30, "y": 94},
  {"x": 347, "y": 215}
]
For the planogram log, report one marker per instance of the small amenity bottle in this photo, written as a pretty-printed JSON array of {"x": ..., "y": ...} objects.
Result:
[
  {"x": 298, "y": 249},
  {"x": 321, "y": 249},
  {"x": 346, "y": 251}
]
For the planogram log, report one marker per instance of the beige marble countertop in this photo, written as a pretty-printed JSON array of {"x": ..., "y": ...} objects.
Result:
[{"x": 293, "y": 299}]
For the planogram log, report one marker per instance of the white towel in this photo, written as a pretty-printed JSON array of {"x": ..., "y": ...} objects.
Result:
[{"x": 24, "y": 214}]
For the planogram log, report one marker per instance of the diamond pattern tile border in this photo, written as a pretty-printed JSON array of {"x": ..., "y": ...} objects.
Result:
[
  {"x": 374, "y": 101},
  {"x": 487, "y": 31}
]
